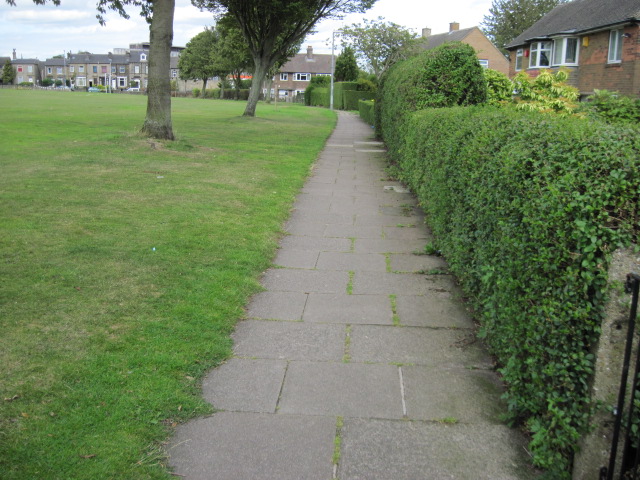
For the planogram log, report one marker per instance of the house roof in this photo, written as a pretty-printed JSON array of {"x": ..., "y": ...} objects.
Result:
[
  {"x": 433, "y": 41},
  {"x": 308, "y": 63},
  {"x": 580, "y": 16}
]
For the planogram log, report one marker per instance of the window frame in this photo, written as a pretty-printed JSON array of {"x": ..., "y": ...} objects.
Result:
[
  {"x": 537, "y": 53},
  {"x": 484, "y": 63},
  {"x": 284, "y": 77},
  {"x": 563, "y": 43},
  {"x": 519, "y": 59},
  {"x": 297, "y": 77},
  {"x": 615, "y": 48}
]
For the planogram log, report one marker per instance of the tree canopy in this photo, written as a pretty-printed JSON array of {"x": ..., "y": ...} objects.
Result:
[
  {"x": 346, "y": 69},
  {"x": 197, "y": 61},
  {"x": 271, "y": 27},
  {"x": 509, "y": 18},
  {"x": 379, "y": 44},
  {"x": 8, "y": 73}
]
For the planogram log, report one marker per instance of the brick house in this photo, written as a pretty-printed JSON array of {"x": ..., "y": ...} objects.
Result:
[
  {"x": 488, "y": 55},
  {"x": 295, "y": 75},
  {"x": 27, "y": 69},
  {"x": 597, "y": 41}
]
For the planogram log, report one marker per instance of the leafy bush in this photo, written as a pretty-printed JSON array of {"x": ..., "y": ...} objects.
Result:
[
  {"x": 445, "y": 76},
  {"x": 499, "y": 87},
  {"x": 195, "y": 92},
  {"x": 350, "y": 98},
  {"x": 365, "y": 107},
  {"x": 527, "y": 209},
  {"x": 319, "y": 81},
  {"x": 548, "y": 92},
  {"x": 611, "y": 107},
  {"x": 47, "y": 82}
]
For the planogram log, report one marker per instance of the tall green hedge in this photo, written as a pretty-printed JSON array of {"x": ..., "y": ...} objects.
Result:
[
  {"x": 527, "y": 209},
  {"x": 350, "y": 98},
  {"x": 445, "y": 76},
  {"x": 365, "y": 107}
]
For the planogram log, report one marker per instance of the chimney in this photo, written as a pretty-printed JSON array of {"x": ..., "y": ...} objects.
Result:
[
  {"x": 454, "y": 26},
  {"x": 14, "y": 53},
  {"x": 309, "y": 52},
  {"x": 426, "y": 32}
]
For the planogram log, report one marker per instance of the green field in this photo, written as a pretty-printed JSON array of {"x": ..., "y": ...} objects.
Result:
[{"x": 125, "y": 263}]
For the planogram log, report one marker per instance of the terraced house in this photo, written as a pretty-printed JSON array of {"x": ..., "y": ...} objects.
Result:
[{"x": 596, "y": 40}]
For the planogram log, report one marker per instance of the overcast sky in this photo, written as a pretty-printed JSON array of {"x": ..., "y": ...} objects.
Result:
[{"x": 44, "y": 31}]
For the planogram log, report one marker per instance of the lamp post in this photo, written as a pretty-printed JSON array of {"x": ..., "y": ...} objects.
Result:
[{"x": 333, "y": 67}]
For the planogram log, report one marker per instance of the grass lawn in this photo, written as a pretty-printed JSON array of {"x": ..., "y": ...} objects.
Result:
[{"x": 124, "y": 265}]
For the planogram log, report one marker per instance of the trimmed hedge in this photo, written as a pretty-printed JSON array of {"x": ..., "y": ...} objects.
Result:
[
  {"x": 366, "y": 109},
  {"x": 319, "y": 97},
  {"x": 445, "y": 76},
  {"x": 339, "y": 90},
  {"x": 527, "y": 209},
  {"x": 350, "y": 98}
]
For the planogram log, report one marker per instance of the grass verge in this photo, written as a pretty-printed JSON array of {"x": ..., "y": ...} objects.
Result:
[{"x": 125, "y": 263}]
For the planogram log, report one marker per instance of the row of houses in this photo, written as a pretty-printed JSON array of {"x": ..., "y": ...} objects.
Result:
[
  {"x": 121, "y": 69},
  {"x": 598, "y": 41}
]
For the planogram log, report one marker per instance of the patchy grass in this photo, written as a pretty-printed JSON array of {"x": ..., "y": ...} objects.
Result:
[{"x": 125, "y": 263}]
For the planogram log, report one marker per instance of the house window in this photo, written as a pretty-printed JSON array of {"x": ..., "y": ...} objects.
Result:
[
  {"x": 30, "y": 79},
  {"x": 143, "y": 57},
  {"x": 146, "y": 69},
  {"x": 30, "y": 68},
  {"x": 81, "y": 81},
  {"x": 615, "y": 46},
  {"x": 302, "y": 77},
  {"x": 95, "y": 69},
  {"x": 19, "y": 68},
  {"x": 484, "y": 63},
  {"x": 174, "y": 73},
  {"x": 284, "y": 77},
  {"x": 565, "y": 51},
  {"x": 49, "y": 70},
  {"x": 103, "y": 69},
  {"x": 81, "y": 69},
  {"x": 121, "y": 68},
  {"x": 20, "y": 78},
  {"x": 113, "y": 69},
  {"x": 136, "y": 69},
  {"x": 519, "y": 57},
  {"x": 59, "y": 70},
  {"x": 540, "y": 54},
  {"x": 72, "y": 69},
  {"x": 122, "y": 81}
]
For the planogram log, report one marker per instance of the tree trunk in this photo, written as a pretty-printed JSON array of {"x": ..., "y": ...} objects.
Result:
[
  {"x": 268, "y": 85},
  {"x": 157, "y": 124},
  {"x": 204, "y": 88},
  {"x": 261, "y": 68}
]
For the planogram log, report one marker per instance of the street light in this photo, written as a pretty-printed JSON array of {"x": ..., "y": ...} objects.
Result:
[{"x": 333, "y": 67}]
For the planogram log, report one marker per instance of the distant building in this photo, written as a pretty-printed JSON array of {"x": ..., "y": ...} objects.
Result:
[
  {"x": 295, "y": 75},
  {"x": 598, "y": 41},
  {"x": 27, "y": 69},
  {"x": 488, "y": 54}
]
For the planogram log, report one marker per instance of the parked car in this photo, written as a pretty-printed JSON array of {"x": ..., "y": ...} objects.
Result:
[
  {"x": 93, "y": 89},
  {"x": 133, "y": 89}
]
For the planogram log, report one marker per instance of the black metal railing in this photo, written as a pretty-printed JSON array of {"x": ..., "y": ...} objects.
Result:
[{"x": 630, "y": 444}]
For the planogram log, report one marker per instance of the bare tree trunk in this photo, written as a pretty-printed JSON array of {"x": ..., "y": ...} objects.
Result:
[
  {"x": 261, "y": 68},
  {"x": 157, "y": 124},
  {"x": 268, "y": 84},
  {"x": 204, "y": 88}
]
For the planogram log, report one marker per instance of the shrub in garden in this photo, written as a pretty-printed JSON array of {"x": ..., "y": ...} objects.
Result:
[
  {"x": 499, "y": 87},
  {"x": 612, "y": 107},
  {"x": 527, "y": 209},
  {"x": 365, "y": 108},
  {"x": 195, "y": 92},
  {"x": 445, "y": 76},
  {"x": 548, "y": 92},
  {"x": 321, "y": 81}
]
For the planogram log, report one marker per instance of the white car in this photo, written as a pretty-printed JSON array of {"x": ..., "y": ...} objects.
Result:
[{"x": 133, "y": 89}]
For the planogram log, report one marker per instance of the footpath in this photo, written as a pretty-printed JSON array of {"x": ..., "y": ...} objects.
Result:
[{"x": 358, "y": 361}]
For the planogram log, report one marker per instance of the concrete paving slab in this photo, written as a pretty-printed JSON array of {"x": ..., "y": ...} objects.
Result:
[
  {"x": 407, "y": 233},
  {"x": 416, "y": 263},
  {"x": 356, "y": 262},
  {"x": 399, "y": 283},
  {"x": 305, "y": 281},
  {"x": 295, "y": 242},
  {"x": 383, "y": 245},
  {"x": 351, "y": 209},
  {"x": 433, "y": 309},
  {"x": 304, "y": 228},
  {"x": 419, "y": 346},
  {"x": 313, "y": 202},
  {"x": 348, "y": 309},
  {"x": 254, "y": 446},
  {"x": 375, "y": 449},
  {"x": 297, "y": 258},
  {"x": 463, "y": 395},
  {"x": 322, "y": 218},
  {"x": 381, "y": 220},
  {"x": 245, "y": 385},
  {"x": 345, "y": 389},
  {"x": 351, "y": 231},
  {"x": 289, "y": 340},
  {"x": 277, "y": 305}
]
